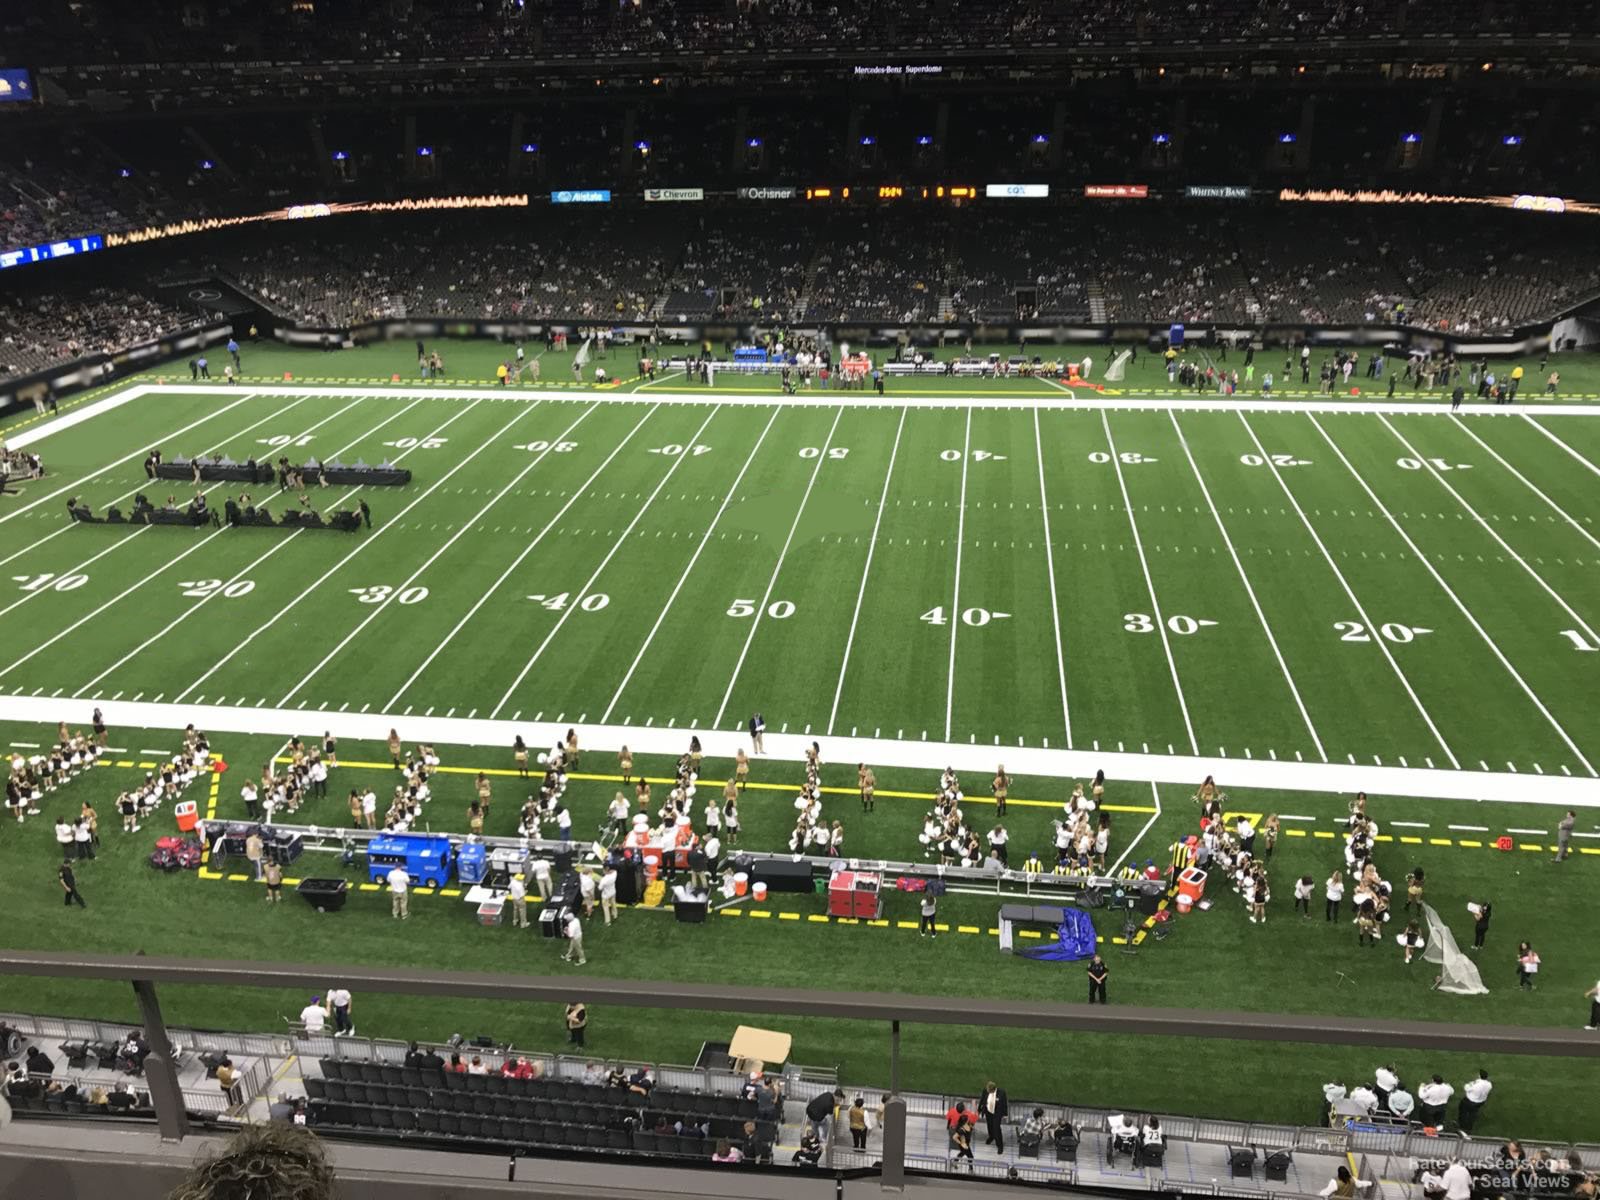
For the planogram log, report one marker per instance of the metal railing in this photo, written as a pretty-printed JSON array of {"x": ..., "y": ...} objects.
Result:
[{"x": 144, "y": 973}]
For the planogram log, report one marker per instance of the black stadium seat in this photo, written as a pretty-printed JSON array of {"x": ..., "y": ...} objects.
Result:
[
  {"x": 428, "y": 1121},
  {"x": 450, "y": 1124},
  {"x": 405, "y": 1119},
  {"x": 316, "y": 1088}
]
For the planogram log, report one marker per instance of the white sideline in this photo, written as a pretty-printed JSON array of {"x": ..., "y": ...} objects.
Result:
[
  {"x": 496, "y": 736},
  {"x": 1091, "y": 402}
]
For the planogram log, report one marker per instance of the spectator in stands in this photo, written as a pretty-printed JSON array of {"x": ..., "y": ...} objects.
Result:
[
  {"x": 39, "y": 1062},
  {"x": 727, "y": 1152},
  {"x": 265, "y": 1162},
  {"x": 1343, "y": 1185}
]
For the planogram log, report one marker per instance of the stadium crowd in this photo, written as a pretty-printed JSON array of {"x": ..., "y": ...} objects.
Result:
[{"x": 45, "y": 329}]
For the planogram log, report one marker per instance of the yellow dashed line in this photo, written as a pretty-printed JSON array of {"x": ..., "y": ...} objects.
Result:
[
  {"x": 239, "y": 878},
  {"x": 758, "y": 912},
  {"x": 788, "y": 916},
  {"x": 881, "y": 924},
  {"x": 818, "y": 918},
  {"x": 1470, "y": 845},
  {"x": 968, "y": 929},
  {"x": 1322, "y": 833},
  {"x": 905, "y": 924},
  {"x": 1295, "y": 832},
  {"x": 731, "y": 912},
  {"x": 1535, "y": 847},
  {"x": 1411, "y": 841},
  {"x": 1438, "y": 841},
  {"x": 451, "y": 892}
]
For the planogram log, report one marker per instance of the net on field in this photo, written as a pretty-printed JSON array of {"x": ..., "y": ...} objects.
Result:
[
  {"x": 1457, "y": 972},
  {"x": 1118, "y": 370}
]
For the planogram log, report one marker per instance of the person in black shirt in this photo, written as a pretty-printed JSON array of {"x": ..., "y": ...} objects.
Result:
[
  {"x": 39, "y": 1062},
  {"x": 69, "y": 886},
  {"x": 366, "y": 513},
  {"x": 1097, "y": 979},
  {"x": 819, "y": 1109}
]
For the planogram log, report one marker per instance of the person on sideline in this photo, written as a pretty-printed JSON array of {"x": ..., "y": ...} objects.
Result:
[
  {"x": 577, "y": 1020},
  {"x": 399, "y": 893},
  {"x": 1097, "y": 979}
]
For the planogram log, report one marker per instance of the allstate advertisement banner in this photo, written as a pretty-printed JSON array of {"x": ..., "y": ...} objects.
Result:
[{"x": 591, "y": 196}]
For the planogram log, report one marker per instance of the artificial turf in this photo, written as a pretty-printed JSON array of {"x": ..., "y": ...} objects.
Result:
[
  {"x": 1215, "y": 959},
  {"x": 496, "y": 559}
]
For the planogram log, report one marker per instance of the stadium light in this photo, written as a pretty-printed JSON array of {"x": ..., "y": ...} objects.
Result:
[
  {"x": 1287, "y": 139},
  {"x": 206, "y": 164},
  {"x": 754, "y": 143},
  {"x": 1411, "y": 138},
  {"x": 869, "y": 140},
  {"x": 924, "y": 140},
  {"x": 1161, "y": 139},
  {"x": 339, "y": 156},
  {"x": 1511, "y": 139},
  {"x": 642, "y": 147},
  {"x": 530, "y": 147},
  {"x": 424, "y": 151},
  {"x": 1041, "y": 139},
  {"x": 125, "y": 173}
]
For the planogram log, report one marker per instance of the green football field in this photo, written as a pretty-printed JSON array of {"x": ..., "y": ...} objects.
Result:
[{"x": 1165, "y": 584}]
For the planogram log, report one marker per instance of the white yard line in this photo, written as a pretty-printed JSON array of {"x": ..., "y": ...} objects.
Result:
[
  {"x": 577, "y": 494},
  {"x": 955, "y": 602},
  {"x": 1150, "y": 586},
  {"x": 766, "y": 598},
  {"x": 1155, "y": 793},
  {"x": 466, "y": 526},
  {"x": 128, "y": 591},
  {"x": 1489, "y": 529},
  {"x": 1454, "y": 599},
  {"x": 1248, "y": 590},
  {"x": 1050, "y": 567},
  {"x": 24, "y": 439},
  {"x": 244, "y": 571},
  {"x": 376, "y": 533},
  {"x": 652, "y": 382},
  {"x": 1349, "y": 592},
  {"x": 1178, "y": 770},
  {"x": 583, "y": 592},
  {"x": 1581, "y": 459},
  {"x": 861, "y": 592},
  {"x": 1531, "y": 486},
  {"x": 153, "y": 484},
  {"x": 1090, "y": 402},
  {"x": 693, "y": 558}
]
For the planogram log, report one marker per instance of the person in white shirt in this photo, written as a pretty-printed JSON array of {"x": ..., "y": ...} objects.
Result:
[
  {"x": 399, "y": 893},
  {"x": 1334, "y": 1092},
  {"x": 1152, "y": 1134},
  {"x": 1343, "y": 1184},
  {"x": 1365, "y": 1096},
  {"x": 1434, "y": 1096},
  {"x": 574, "y": 932},
  {"x": 1401, "y": 1103},
  {"x": 369, "y": 808},
  {"x": 339, "y": 1006},
  {"x": 1335, "y": 893},
  {"x": 64, "y": 838},
  {"x": 564, "y": 823},
  {"x": 1123, "y": 1132},
  {"x": 586, "y": 890},
  {"x": 314, "y": 1017},
  {"x": 517, "y": 891},
  {"x": 1473, "y": 1097},
  {"x": 1386, "y": 1080},
  {"x": 1456, "y": 1181},
  {"x": 1246, "y": 834},
  {"x": 608, "y": 892},
  {"x": 248, "y": 794}
]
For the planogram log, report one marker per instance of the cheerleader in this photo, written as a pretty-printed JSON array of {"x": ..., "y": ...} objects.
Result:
[
  {"x": 1269, "y": 834},
  {"x": 1102, "y": 841},
  {"x": 428, "y": 756},
  {"x": 14, "y": 798},
  {"x": 1207, "y": 791},
  {"x": 797, "y": 837},
  {"x": 696, "y": 753},
  {"x": 836, "y": 840},
  {"x": 868, "y": 782},
  {"x": 519, "y": 755},
  {"x": 571, "y": 749},
  {"x": 730, "y": 821},
  {"x": 624, "y": 764},
  {"x": 1411, "y": 940},
  {"x": 483, "y": 794},
  {"x": 1000, "y": 785},
  {"x": 1367, "y": 925},
  {"x": 714, "y": 808},
  {"x": 1098, "y": 791},
  {"x": 330, "y": 749},
  {"x": 475, "y": 819},
  {"x": 1414, "y": 889},
  {"x": 91, "y": 819},
  {"x": 641, "y": 794},
  {"x": 741, "y": 768},
  {"x": 394, "y": 748},
  {"x": 529, "y": 825},
  {"x": 947, "y": 780},
  {"x": 1260, "y": 894},
  {"x": 128, "y": 808},
  {"x": 929, "y": 837},
  {"x": 814, "y": 757}
]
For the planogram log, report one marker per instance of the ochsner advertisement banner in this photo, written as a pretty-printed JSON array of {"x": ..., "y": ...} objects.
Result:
[{"x": 653, "y": 194}]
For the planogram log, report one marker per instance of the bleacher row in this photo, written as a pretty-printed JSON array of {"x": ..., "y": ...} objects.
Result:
[{"x": 497, "y": 1109}]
